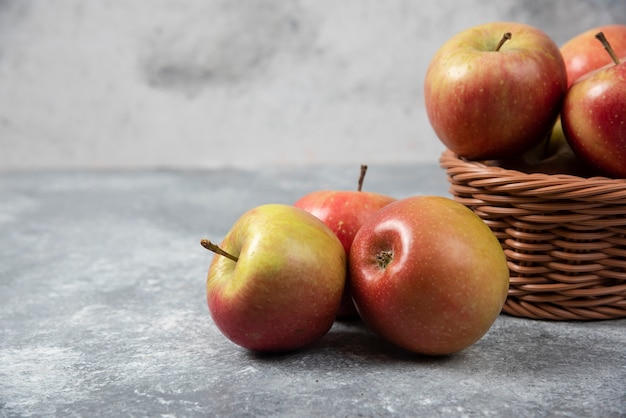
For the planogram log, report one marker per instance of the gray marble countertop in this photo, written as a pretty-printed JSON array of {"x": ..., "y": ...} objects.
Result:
[{"x": 103, "y": 313}]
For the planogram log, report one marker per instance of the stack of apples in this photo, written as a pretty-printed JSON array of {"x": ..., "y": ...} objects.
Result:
[
  {"x": 424, "y": 272},
  {"x": 506, "y": 94}
]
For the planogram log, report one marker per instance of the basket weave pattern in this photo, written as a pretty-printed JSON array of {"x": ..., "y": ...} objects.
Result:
[{"x": 564, "y": 237}]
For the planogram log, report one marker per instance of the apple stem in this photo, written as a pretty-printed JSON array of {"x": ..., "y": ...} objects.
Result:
[
  {"x": 507, "y": 36},
  {"x": 217, "y": 250},
  {"x": 362, "y": 176},
  {"x": 605, "y": 43}
]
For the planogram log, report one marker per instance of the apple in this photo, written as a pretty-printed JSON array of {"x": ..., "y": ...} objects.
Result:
[
  {"x": 276, "y": 280},
  {"x": 553, "y": 156},
  {"x": 428, "y": 275},
  {"x": 344, "y": 211},
  {"x": 582, "y": 53},
  {"x": 594, "y": 116},
  {"x": 495, "y": 90}
]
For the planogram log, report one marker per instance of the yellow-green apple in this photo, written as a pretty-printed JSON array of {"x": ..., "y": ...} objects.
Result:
[
  {"x": 428, "y": 275},
  {"x": 495, "y": 90},
  {"x": 553, "y": 156},
  {"x": 594, "y": 116},
  {"x": 276, "y": 280},
  {"x": 583, "y": 53},
  {"x": 344, "y": 211}
]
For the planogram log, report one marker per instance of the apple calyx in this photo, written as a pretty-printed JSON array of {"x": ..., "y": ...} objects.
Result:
[
  {"x": 217, "y": 250},
  {"x": 362, "y": 177},
  {"x": 605, "y": 43},
  {"x": 383, "y": 258},
  {"x": 507, "y": 36}
]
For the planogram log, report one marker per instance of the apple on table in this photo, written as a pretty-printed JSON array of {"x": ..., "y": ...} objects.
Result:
[
  {"x": 344, "y": 211},
  {"x": 594, "y": 115},
  {"x": 428, "y": 275},
  {"x": 275, "y": 282},
  {"x": 495, "y": 90}
]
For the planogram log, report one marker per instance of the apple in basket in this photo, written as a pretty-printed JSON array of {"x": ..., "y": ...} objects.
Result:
[
  {"x": 583, "y": 53},
  {"x": 553, "y": 156},
  {"x": 275, "y": 282},
  {"x": 428, "y": 275},
  {"x": 495, "y": 90},
  {"x": 594, "y": 116},
  {"x": 344, "y": 211}
]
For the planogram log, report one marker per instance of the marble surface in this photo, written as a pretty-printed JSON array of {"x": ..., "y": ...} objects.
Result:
[
  {"x": 218, "y": 83},
  {"x": 103, "y": 313}
]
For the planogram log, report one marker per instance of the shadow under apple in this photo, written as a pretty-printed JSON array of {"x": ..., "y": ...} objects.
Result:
[{"x": 354, "y": 342}]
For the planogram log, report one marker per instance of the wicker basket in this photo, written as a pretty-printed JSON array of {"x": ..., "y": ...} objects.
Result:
[{"x": 564, "y": 237}]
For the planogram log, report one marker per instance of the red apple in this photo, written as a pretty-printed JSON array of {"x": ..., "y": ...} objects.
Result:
[
  {"x": 276, "y": 280},
  {"x": 344, "y": 211},
  {"x": 495, "y": 90},
  {"x": 594, "y": 116},
  {"x": 583, "y": 53},
  {"x": 428, "y": 275}
]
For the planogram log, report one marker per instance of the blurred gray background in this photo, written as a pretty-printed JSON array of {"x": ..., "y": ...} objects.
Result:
[{"x": 218, "y": 83}]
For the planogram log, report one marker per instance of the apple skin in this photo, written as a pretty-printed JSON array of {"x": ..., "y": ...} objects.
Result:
[
  {"x": 485, "y": 104},
  {"x": 583, "y": 53},
  {"x": 445, "y": 284},
  {"x": 594, "y": 119},
  {"x": 284, "y": 291},
  {"x": 553, "y": 156},
  {"x": 344, "y": 211}
]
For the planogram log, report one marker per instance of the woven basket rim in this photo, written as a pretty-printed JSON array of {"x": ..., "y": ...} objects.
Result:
[
  {"x": 449, "y": 159},
  {"x": 500, "y": 180}
]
